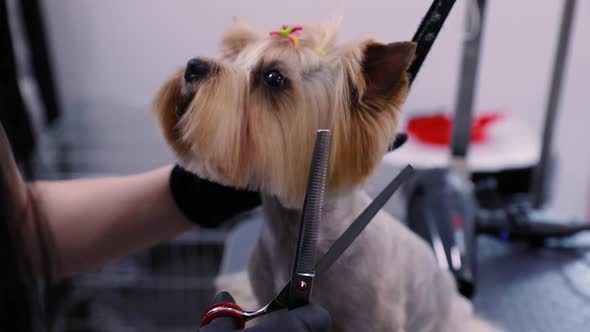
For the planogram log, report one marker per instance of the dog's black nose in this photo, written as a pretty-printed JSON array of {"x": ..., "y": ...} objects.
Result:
[{"x": 195, "y": 70}]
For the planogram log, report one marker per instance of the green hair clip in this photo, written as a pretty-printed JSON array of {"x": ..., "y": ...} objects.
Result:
[{"x": 291, "y": 32}]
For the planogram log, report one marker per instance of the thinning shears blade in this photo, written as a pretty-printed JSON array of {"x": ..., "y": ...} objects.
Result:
[{"x": 303, "y": 268}]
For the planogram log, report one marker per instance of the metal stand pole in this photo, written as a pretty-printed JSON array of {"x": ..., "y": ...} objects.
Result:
[
  {"x": 467, "y": 87},
  {"x": 538, "y": 186}
]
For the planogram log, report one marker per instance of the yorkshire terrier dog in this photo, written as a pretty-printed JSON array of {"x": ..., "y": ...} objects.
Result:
[{"x": 248, "y": 118}]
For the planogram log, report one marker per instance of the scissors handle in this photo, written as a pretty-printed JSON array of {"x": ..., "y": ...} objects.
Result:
[{"x": 224, "y": 309}]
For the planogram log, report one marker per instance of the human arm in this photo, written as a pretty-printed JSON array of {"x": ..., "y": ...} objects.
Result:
[{"x": 91, "y": 221}]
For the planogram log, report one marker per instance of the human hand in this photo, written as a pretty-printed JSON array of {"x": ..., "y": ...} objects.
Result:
[
  {"x": 206, "y": 203},
  {"x": 309, "y": 318}
]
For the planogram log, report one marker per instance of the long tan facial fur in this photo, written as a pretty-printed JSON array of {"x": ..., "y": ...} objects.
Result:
[{"x": 231, "y": 126}]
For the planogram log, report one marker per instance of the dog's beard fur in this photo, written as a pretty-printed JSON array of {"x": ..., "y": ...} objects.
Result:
[{"x": 232, "y": 128}]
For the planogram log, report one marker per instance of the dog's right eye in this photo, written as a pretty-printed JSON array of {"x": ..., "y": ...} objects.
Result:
[{"x": 274, "y": 79}]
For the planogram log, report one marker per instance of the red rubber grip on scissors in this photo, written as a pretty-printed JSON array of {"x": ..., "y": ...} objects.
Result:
[{"x": 208, "y": 318}]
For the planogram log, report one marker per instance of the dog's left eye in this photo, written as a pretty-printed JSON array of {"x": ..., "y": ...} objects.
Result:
[{"x": 274, "y": 79}]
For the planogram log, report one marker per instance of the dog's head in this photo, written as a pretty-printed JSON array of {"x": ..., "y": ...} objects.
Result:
[{"x": 248, "y": 117}]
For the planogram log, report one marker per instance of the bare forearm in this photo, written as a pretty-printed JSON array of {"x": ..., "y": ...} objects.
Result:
[{"x": 95, "y": 220}]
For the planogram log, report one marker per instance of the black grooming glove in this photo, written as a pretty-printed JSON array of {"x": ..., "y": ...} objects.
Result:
[
  {"x": 399, "y": 140},
  {"x": 309, "y": 318},
  {"x": 206, "y": 203}
]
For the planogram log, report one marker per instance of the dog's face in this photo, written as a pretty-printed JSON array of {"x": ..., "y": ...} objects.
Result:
[{"x": 248, "y": 117}]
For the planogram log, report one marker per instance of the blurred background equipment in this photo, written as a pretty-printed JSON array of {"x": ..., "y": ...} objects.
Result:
[{"x": 449, "y": 207}]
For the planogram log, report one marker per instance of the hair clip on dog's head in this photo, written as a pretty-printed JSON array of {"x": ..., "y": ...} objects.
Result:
[
  {"x": 288, "y": 31},
  {"x": 291, "y": 32}
]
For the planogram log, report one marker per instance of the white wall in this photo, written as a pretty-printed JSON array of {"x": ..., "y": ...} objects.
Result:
[{"x": 120, "y": 51}]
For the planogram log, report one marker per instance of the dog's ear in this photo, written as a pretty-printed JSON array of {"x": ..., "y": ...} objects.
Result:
[
  {"x": 384, "y": 68},
  {"x": 377, "y": 82},
  {"x": 239, "y": 35}
]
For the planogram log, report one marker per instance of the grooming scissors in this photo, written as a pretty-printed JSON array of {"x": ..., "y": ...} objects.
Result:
[{"x": 297, "y": 291}]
